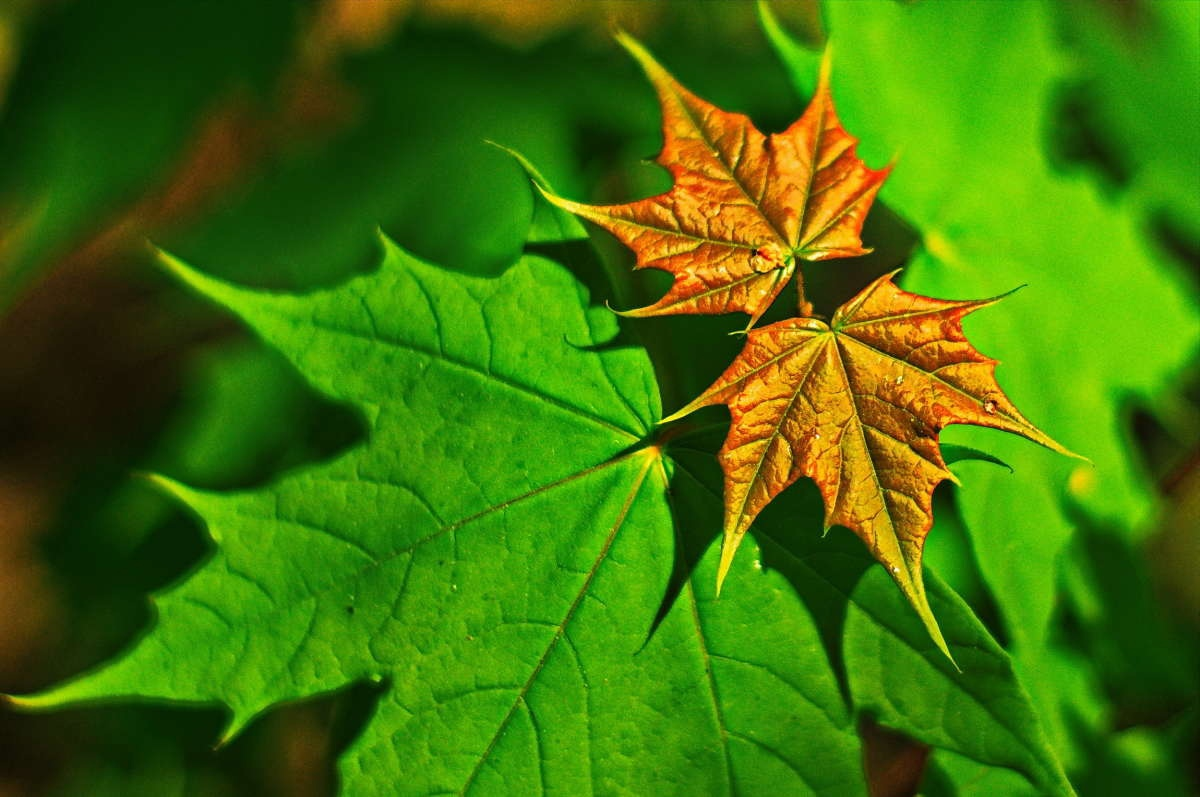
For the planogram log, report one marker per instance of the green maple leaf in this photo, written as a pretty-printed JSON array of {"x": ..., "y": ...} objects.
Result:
[
  {"x": 496, "y": 553},
  {"x": 1103, "y": 320}
]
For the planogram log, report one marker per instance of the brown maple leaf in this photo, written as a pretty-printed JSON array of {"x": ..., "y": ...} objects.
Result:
[
  {"x": 857, "y": 405},
  {"x": 744, "y": 206}
]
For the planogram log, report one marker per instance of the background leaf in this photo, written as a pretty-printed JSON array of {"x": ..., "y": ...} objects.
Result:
[
  {"x": 79, "y": 98},
  {"x": 972, "y": 178},
  {"x": 1133, "y": 84}
]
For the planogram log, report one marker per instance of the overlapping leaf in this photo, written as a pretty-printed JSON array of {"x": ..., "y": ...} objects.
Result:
[
  {"x": 496, "y": 551},
  {"x": 744, "y": 207},
  {"x": 487, "y": 553},
  {"x": 857, "y": 406},
  {"x": 1104, "y": 321}
]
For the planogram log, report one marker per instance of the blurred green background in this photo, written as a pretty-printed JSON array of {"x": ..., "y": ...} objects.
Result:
[{"x": 267, "y": 141}]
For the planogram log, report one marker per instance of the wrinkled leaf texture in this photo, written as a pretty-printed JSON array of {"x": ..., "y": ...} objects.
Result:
[
  {"x": 857, "y": 405},
  {"x": 744, "y": 207}
]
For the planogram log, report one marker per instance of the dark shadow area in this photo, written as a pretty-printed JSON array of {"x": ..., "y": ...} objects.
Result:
[
  {"x": 831, "y": 283},
  {"x": 822, "y": 570},
  {"x": 1179, "y": 245},
  {"x": 952, "y": 453},
  {"x": 1139, "y": 761},
  {"x": 935, "y": 782},
  {"x": 696, "y": 527},
  {"x": 105, "y": 585},
  {"x": 960, "y": 569},
  {"x": 351, "y": 710},
  {"x": 114, "y": 749},
  {"x": 1146, "y": 660},
  {"x": 1079, "y": 139},
  {"x": 894, "y": 763}
]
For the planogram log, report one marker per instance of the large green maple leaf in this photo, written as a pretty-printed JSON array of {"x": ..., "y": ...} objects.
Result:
[
  {"x": 1104, "y": 320},
  {"x": 496, "y": 553}
]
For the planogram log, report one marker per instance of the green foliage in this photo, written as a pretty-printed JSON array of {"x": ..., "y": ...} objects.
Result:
[
  {"x": 1135, "y": 78},
  {"x": 414, "y": 162},
  {"x": 496, "y": 552},
  {"x": 95, "y": 76},
  {"x": 954, "y": 131},
  {"x": 473, "y": 520}
]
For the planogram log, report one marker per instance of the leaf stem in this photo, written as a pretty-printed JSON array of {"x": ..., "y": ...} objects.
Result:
[
  {"x": 804, "y": 307},
  {"x": 688, "y": 429}
]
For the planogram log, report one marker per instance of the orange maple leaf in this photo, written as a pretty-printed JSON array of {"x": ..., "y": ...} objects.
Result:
[
  {"x": 857, "y": 405},
  {"x": 744, "y": 206}
]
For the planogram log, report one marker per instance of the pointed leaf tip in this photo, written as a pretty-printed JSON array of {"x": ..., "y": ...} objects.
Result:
[
  {"x": 560, "y": 226},
  {"x": 170, "y": 262},
  {"x": 675, "y": 416},
  {"x": 700, "y": 401},
  {"x": 912, "y": 586},
  {"x": 526, "y": 165},
  {"x": 23, "y": 702},
  {"x": 728, "y": 549},
  {"x": 237, "y": 723},
  {"x": 204, "y": 284}
]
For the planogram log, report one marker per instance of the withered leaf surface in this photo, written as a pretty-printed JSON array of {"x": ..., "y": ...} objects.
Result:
[
  {"x": 744, "y": 206},
  {"x": 857, "y": 405}
]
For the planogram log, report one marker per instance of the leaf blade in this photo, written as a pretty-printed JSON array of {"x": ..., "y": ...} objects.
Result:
[
  {"x": 857, "y": 406},
  {"x": 744, "y": 207},
  {"x": 500, "y": 588}
]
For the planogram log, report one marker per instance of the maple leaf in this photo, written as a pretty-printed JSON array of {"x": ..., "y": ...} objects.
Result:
[
  {"x": 493, "y": 552},
  {"x": 744, "y": 206},
  {"x": 857, "y": 406}
]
